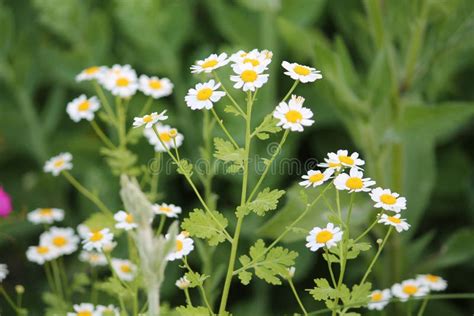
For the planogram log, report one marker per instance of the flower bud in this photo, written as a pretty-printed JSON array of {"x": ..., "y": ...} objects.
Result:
[
  {"x": 20, "y": 289},
  {"x": 173, "y": 133}
]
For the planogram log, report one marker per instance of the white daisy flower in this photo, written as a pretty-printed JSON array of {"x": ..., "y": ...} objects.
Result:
[
  {"x": 124, "y": 220},
  {"x": 97, "y": 240},
  {"x": 409, "y": 288},
  {"x": 94, "y": 258},
  {"x": 58, "y": 163},
  {"x": 433, "y": 282},
  {"x": 353, "y": 182},
  {"x": 210, "y": 63},
  {"x": 91, "y": 73},
  {"x": 154, "y": 86},
  {"x": 110, "y": 310},
  {"x": 3, "y": 271},
  {"x": 254, "y": 57},
  {"x": 300, "y": 72},
  {"x": 63, "y": 239},
  {"x": 149, "y": 120},
  {"x": 41, "y": 254},
  {"x": 184, "y": 245},
  {"x": 45, "y": 215},
  {"x": 83, "y": 230},
  {"x": 125, "y": 269},
  {"x": 170, "y": 210},
  {"x": 321, "y": 237},
  {"x": 83, "y": 309},
  {"x": 248, "y": 77},
  {"x": 82, "y": 108},
  {"x": 120, "y": 81},
  {"x": 167, "y": 136},
  {"x": 379, "y": 299},
  {"x": 388, "y": 200},
  {"x": 315, "y": 177},
  {"x": 183, "y": 283},
  {"x": 204, "y": 95},
  {"x": 400, "y": 224},
  {"x": 342, "y": 159},
  {"x": 293, "y": 115}
]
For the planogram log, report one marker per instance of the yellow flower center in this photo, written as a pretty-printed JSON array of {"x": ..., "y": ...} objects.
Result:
[
  {"x": 129, "y": 219},
  {"x": 84, "y": 313},
  {"x": 293, "y": 116},
  {"x": 346, "y": 159},
  {"x": 42, "y": 250},
  {"x": 91, "y": 70},
  {"x": 377, "y": 297},
  {"x": 249, "y": 75},
  {"x": 394, "y": 219},
  {"x": 59, "y": 241},
  {"x": 58, "y": 163},
  {"x": 147, "y": 118},
  {"x": 204, "y": 94},
  {"x": 388, "y": 199},
  {"x": 97, "y": 236},
  {"x": 432, "y": 278},
  {"x": 316, "y": 177},
  {"x": 125, "y": 268},
  {"x": 253, "y": 61},
  {"x": 155, "y": 84},
  {"x": 323, "y": 237},
  {"x": 301, "y": 70},
  {"x": 84, "y": 106},
  {"x": 165, "y": 136},
  {"x": 354, "y": 183},
  {"x": 410, "y": 289},
  {"x": 333, "y": 164},
  {"x": 122, "y": 82},
  {"x": 210, "y": 63},
  {"x": 179, "y": 245},
  {"x": 46, "y": 211},
  {"x": 165, "y": 209}
]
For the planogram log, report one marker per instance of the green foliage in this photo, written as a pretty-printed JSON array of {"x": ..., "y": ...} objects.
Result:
[
  {"x": 195, "y": 279},
  {"x": 114, "y": 287},
  {"x": 193, "y": 311},
  {"x": 265, "y": 201},
  {"x": 268, "y": 265},
  {"x": 357, "y": 297},
  {"x": 121, "y": 161},
  {"x": 185, "y": 168},
  {"x": 203, "y": 225},
  {"x": 79, "y": 283},
  {"x": 226, "y": 152},
  {"x": 267, "y": 127}
]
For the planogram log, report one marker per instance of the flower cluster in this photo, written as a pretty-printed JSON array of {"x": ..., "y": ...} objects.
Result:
[{"x": 87, "y": 309}]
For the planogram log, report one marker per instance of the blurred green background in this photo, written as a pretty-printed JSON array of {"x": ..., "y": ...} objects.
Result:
[{"x": 397, "y": 88}]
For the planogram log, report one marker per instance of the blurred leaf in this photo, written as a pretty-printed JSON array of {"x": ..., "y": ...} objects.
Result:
[
  {"x": 302, "y": 12},
  {"x": 192, "y": 311},
  {"x": 457, "y": 249}
]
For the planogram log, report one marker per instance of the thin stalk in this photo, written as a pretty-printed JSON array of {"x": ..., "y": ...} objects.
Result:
[
  {"x": 156, "y": 175},
  {"x": 293, "y": 87},
  {"x": 107, "y": 142},
  {"x": 64, "y": 279},
  {"x": 176, "y": 149},
  {"x": 161, "y": 225},
  {"x": 188, "y": 298},
  {"x": 293, "y": 289},
  {"x": 121, "y": 122},
  {"x": 342, "y": 248},
  {"x": 369, "y": 228},
  {"x": 201, "y": 289},
  {"x": 236, "y": 105},
  {"x": 369, "y": 269},
  {"x": 57, "y": 278},
  {"x": 104, "y": 101},
  {"x": 49, "y": 277},
  {"x": 221, "y": 124},
  {"x": 333, "y": 279},
  {"x": 421, "y": 311},
  {"x": 8, "y": 299},
  {"x": 92, "y": 197}
]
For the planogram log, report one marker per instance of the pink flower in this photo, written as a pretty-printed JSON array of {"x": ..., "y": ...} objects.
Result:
[{"x": 5, "y": 203}]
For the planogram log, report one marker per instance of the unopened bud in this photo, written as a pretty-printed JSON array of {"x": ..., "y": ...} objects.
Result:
[
  {"x": 379, "y": 241},
  {"x": 173, "y": 132},
  {"x": 20, "y": 289}
]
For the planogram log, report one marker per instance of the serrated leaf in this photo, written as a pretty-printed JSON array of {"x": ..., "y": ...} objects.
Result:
[
  {"x": 185, "y": 167},
  {"x": 226, "y": 152},
  {"x": 245, "y": 277},
  {"x": 355, "y": 249},
  {"x": 323, "y": 291},
  {"x": 268, "y": 126},
  {"x": 265, "y": 201},
  {"x": 231, "y": 109},
  {"x": 120, "y": 161},
  {"x": 202, "y": 225},
  {"x": 195, "y": 279},
  {"x": 359, "y": 295},
  {"x": 192, "y": 311}
]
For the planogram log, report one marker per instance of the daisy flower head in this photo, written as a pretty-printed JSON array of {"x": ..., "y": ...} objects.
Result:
[
  {"x": 353, "y": 182},
  {"x": 125, "y": 269},
  {"x": 210, "y": 63},
  {"x": 315, "y": 177},
  {"x": 409, "y": 288},
  {"x": 45, "y": 215},
  {"x": 124, "y": 220},
  {"x": 341, "y": 159},
  {"x": 204, "y": 95},
  {"x": 301, "y": 73},
  {"x": 110, "y": 310},
  {"x": 323, "y": 237},
  {"x": 3, "y": 271},
  {"x": 254, "y": 57},
  {"x": 62, "y": 239},
  {"x": 121, "y": 81},
  {"x": 432, "y": 282},
  {"x": 82, "y": 108},
  {"x": 58, "y": 163},
  {"x": 388, "y": 200},
  {"x": 154, "y": 86},
  {"x": 41, "y": 254},
  {"x": 83, "y": 309},
  {"x": 379, "y": 299},
  {"x": 182, "y": 283},
  {"x": 149, "y": 119},
  {"x": 400, "y": 224},
  {"x": 248, "y": 77},
  {"x": 184, "y": 245},
  {"x": 293, "y": 115},
  {"x": 98, "y": 239},
  {"x": 93, "y": 258},
  {"x": 168, "y": 135},
  {"x": 91, "y": 73},
  {"x": 170, "y": 210}
]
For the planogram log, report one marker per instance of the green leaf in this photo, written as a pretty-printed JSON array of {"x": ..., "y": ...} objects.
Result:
[
  {"x": 203, "y": 225},
  {"x": 267, "y": 266},
  {"x": 232, "y": 110},
  {"x": 268, "y": 126},
  {"x": 457, "y": 249},
  {"x": 355, "y": 249},
  {"x": 359, "y": 295},
  {"x": 265, "y": 201},
  {"x": 226, "y": 152},
  {"x": 121, "y": 161},
  {"x": 185, "y": 167},
  {"x": 193, "y": 311},
  {"x": 323, "y": 291},
  {"x": 79, "y": 282},
  {"x": 196, "y": 279},
  {"x": 114, "y": 287},
  {"x": 245, "y": 277}
]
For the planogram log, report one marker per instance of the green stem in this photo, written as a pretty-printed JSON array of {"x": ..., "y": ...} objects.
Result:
[
  {"x": 423, "y": 307},
  {"x": 342, "y": 247},
  {"x": 92, "y": 197},
  {"x": 201, "y": 289},
  {"x": 8, "y": 299},
  {"x": 333, "y": 279},
  {"x": 369, "y": 228},
  {"x": 293, "y": 87},
  {"x": 104, "y": 101},
  {"x": 369, "y": 269},
  {"x": 221, "y": 124},
  {"x": 57, "y": 279},
  {"x": 102, "y": 135},
  {"x": 188, "y": 298},
  {"x": 236, "y": 105},
  {"x": 293, "y": 289},
  {"x": 161, "y": 225},
  {"x": 155, "y": 176},
  {"x": 49, "y": 277},
  {"x": 121, "y": 122},
  {"x": 62, "y": 271}
]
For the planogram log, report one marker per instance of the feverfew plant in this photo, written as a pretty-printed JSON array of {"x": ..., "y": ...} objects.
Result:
[{"x": 132, "y": 280}]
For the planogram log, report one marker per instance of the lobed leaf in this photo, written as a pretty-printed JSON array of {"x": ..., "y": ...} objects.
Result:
[{"x": 202, "y": 225}]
